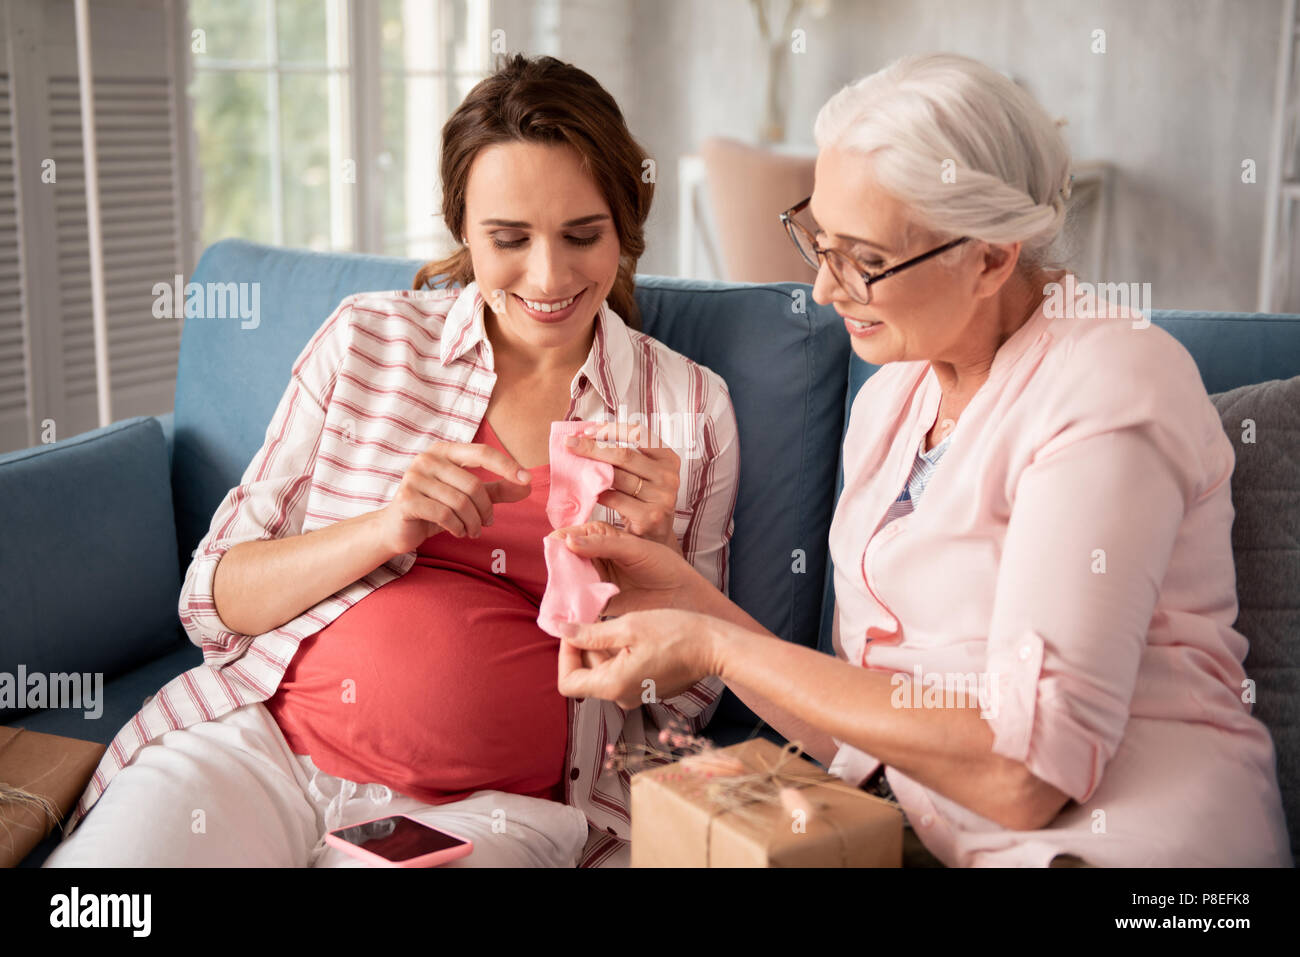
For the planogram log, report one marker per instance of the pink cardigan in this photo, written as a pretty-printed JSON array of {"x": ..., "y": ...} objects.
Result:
[{"x": 1072, "y": 555}]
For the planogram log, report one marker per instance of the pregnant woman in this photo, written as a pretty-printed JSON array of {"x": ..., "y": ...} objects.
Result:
[
  {"x": 1035, "y": 496},
  {"x": 366, "y": 599}
]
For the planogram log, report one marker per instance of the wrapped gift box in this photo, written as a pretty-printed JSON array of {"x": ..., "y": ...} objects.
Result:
[
  {"x": 691, "y": 814},
  {"x": 47, "y": 766}
]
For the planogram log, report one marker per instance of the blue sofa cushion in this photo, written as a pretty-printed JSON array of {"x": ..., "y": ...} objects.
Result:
[
  {"x": 782, "y": 358},
  {"x": 66, "y": 504},
  {"x": 1232, "y": 349},
  {"x": 232, "y": 372},
  {"x": 1263, "y": 422},
  {"x": 781, "y": 366}
]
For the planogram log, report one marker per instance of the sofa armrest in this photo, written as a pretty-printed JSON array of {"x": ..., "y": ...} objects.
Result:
[
  {"x": 89, "y": 576},
  {"x": 168, "y": 423}
]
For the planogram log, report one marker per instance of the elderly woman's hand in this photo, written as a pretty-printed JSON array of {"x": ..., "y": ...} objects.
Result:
[
  {"x": 646, "y": 478},
  {"x": 647, "y": 573},
  {"x": 639, "y": 658}
]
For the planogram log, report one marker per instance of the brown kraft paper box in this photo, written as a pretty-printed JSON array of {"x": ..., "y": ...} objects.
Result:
[
  {"x": 52, "y": 767},
  {"x": 675, "y": 823}
]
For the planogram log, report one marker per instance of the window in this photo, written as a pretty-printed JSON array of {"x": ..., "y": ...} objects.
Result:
[{"x": 317, "y": 121}]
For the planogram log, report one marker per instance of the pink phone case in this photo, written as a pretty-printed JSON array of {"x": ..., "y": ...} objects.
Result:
[{"x": 431, "y": 859}]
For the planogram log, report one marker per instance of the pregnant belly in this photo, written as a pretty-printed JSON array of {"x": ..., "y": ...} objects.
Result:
[{"x": 437, "y": 684}]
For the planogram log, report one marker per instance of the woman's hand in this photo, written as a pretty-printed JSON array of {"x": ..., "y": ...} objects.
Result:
[
  {"x": 646, "y": 479},
  {"x": 643, "y": 657},
  {"x": 439, "y": 494},
  {"x": 647, "y": 573}
]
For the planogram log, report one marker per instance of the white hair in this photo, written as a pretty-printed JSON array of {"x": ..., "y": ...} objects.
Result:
[{"x": 927, "y": 115}]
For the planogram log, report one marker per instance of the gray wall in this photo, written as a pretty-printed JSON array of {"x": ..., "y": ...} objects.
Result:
[{"x": 1182, "y": 95}]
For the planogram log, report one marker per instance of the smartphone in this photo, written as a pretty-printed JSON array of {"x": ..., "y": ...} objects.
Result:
[{"x": 399, "y": 841}]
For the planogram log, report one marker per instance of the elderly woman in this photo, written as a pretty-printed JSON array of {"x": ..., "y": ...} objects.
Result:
[{"x": 1033, "y": 492}]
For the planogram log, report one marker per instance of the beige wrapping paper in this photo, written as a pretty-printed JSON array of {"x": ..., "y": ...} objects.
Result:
[{"x": 678, "y": 819}]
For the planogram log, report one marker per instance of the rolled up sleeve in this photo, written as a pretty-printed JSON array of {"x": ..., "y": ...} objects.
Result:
[
  {"x": 271, "y": 498},
  {"x": 1094, "y": 518}
]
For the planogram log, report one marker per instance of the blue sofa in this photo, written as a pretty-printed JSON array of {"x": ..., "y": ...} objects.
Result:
[{"x": 137, "y": 496}]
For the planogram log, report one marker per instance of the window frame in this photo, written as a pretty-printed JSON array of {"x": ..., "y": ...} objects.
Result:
[{"x": 355, "y": 71}]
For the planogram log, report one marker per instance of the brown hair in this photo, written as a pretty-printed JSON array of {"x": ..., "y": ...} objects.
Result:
[{"x": 544, "y": 100}]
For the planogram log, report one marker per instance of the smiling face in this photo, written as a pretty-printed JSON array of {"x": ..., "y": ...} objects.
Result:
[
  {"x": 543, "y": 244},
  {"x": 922, "y": 312}
]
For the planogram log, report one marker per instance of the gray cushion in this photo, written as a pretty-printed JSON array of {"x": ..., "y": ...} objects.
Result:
[{"x": 1266, "y": 548}]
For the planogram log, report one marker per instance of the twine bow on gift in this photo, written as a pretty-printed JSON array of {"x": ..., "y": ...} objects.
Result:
[
  {"x": 732, "y": 786},
  {"x": 736, "y": 788}
]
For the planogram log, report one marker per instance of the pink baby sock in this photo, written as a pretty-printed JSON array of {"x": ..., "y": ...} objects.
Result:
[
  {"x": 574, "y": 591},
  {"x": 575, "y": 481}
]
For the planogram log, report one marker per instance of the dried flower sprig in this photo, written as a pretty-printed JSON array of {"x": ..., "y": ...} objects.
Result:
[{"x": 672, "y": 744}]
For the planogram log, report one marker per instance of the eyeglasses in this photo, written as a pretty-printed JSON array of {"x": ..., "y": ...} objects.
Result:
[{"x": 848, "y": 272}]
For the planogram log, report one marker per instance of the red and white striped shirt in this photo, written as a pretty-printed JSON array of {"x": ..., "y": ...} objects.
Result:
[{"x": 383, "y": 377}]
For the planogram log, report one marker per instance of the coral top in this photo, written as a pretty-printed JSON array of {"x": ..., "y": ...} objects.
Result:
[{"x": 440, "y": 683}]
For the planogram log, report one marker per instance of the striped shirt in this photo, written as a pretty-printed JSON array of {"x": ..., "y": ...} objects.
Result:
[
  {"x": 384, "y": 376},
  {"x": 917, "y": 480},
  {"x": 905, "y": 504}
]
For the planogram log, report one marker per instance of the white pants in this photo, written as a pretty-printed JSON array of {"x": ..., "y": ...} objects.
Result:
[{"x": 231, "y": 793}]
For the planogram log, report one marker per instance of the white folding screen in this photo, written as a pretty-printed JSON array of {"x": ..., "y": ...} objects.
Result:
[
  {"x": 144, "y": 194},
  {"x": 14, "y": 374}
]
